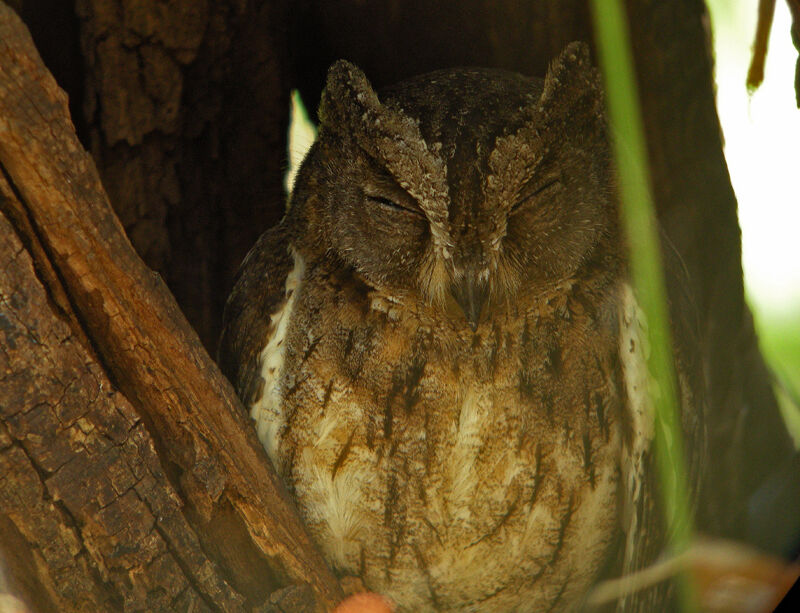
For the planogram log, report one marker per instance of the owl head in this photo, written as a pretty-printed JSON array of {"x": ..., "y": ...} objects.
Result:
[{"x": 463, "y": 185}]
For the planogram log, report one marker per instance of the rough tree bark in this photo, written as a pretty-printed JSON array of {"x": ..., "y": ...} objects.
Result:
[
  {"x": 184, "y": 107},
  {"x": 187, "y": 106},
  {"x": 128, "y": 477}
]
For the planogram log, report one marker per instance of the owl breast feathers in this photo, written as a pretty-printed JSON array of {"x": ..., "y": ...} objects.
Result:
[{"x": 439, "y": 347}]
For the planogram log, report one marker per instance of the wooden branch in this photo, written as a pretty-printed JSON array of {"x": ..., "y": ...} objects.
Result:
[
  {"x": 129, "y": 475},
  {"x": 755, "y": 73}
]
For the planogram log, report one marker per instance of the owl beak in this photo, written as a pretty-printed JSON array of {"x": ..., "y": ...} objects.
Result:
[{"x": 471, "y": 294}]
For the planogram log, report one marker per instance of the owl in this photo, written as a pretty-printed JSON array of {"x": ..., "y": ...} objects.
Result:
[{"x": 441, "y": 350}]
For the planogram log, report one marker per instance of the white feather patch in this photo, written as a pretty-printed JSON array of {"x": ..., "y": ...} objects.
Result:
[
  {"x": 338, "y": 502},
  {"x": 634, "y": 350},
  {"x": 267, "y": 411},
  {"x": 463, "y": 478}
]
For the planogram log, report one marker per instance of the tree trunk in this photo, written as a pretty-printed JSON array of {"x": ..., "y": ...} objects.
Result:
[
  {"x": 129, "y": 478},
  {"x": 184, "y": 107},
  {"x": 187, "y": 105}
]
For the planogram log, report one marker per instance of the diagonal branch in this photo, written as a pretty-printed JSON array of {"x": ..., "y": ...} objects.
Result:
[{"x": 100, "y": 286}]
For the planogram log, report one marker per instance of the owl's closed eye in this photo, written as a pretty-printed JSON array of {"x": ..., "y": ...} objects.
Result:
[{"x": 463, "y": 186}]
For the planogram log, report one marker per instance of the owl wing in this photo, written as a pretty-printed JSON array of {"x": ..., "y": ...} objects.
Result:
[
  {"x": 258, "y": 292},
  {"x": 645, "y": 535}
]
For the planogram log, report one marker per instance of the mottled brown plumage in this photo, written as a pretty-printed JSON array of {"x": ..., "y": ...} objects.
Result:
[{"x": 439, "y": 346}]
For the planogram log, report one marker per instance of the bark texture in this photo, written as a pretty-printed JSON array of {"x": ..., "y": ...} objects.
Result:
[
  {"x": 131, "y": 479},
  {"x": 187, "y": 104}
]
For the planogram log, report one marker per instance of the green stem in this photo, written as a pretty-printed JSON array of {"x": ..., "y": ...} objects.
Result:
[{"x": 640, "y": 227}]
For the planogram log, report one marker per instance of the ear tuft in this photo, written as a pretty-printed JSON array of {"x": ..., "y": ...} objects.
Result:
[
  {"x": 351, "y": 109},
  {"x": 347, "y": 94},
  {"x": 570, "y": 78}
]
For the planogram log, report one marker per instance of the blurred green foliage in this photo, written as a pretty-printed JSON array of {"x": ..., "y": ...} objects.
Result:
[{"x": 779, "y": 335}]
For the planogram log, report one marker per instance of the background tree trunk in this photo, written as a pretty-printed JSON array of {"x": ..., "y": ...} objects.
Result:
[{"x": 127, "y": 475}]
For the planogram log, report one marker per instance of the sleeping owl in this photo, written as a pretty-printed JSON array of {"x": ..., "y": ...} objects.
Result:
[{"x": 440, "y": 348}]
